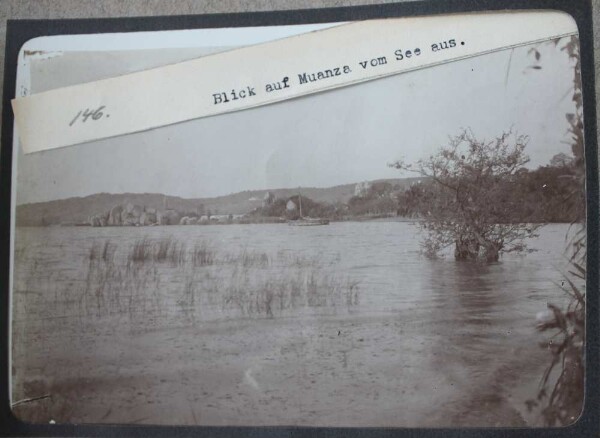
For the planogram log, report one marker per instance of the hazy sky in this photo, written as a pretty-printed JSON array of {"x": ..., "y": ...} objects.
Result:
[{"x": 342, "y": 136}]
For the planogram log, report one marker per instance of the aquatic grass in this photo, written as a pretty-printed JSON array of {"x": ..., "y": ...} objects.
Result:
[
  {"x": 104, "y": 252},
  {"x": 177, "y": 254},
  {"x": 187, "y": 302},
  {"x": 352, "y": 292},
  {"x": 314, "y": 298},
  {"x": 100, "y": 277},
  {"x": 293, "y": 259},
  {"x": 141, "y": 251},
  {"x": 248, "y": 259},
  {"x": 203, "y": 255},
  {"x": 169, "y": 250},
  {"x": 162, "y": 249},
  {"x": 290, "y": 289},
  {"x": 161, "y": 276},
  {"x": 560, "y": 388},
  {"x": 113, "y": 288}
]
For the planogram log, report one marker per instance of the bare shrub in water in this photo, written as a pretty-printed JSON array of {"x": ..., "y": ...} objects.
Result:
[{"x": 469, "y": 196}]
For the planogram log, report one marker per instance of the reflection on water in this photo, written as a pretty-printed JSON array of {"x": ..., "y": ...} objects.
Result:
[
  {"x": 487, "y": 313},
  {"x": 463, "y": 332}
]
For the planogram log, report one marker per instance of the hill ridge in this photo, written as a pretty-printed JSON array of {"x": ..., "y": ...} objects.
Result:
[{"x": 77, "y": 209}]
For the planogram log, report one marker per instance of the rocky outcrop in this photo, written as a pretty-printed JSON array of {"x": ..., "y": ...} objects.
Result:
[
  {"x": 169, "y": 217},
  {"x": 98, "y": 220},
  {"x": 134, "y": 215},
  {"x": 188, "y": 220},
  {"x": 130, "y": 216},
  {"x": 268, "y": 199},
  {"x": 148, "y": 217},
  {"x": 114, "y": 216},
  {"x": 125, "y": 215},
  {"x": 362, "y": 189}
]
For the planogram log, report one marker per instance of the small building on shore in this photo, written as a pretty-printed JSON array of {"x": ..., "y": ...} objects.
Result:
[
  {"x": 268, "y": 199},
  {"x": 291, "y": 206},
  {"x": 362, "y": 189}
]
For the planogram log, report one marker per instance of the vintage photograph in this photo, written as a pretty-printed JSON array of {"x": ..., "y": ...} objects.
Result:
[{"x": 405, "y": 252}]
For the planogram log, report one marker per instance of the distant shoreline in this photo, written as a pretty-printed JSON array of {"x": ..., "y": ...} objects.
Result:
[
  {"x": 266, "y": 220},
  {"x": 279, "y": 221}
]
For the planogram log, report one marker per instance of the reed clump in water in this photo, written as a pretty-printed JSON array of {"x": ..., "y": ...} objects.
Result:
[
  {"x": 163, "y": 250},
  {"x": 203, "y": 255},
  {"x": 289, "y": 289},
  {"x": 153, "y": 277}
]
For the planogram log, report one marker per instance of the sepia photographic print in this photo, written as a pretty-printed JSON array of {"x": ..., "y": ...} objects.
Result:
[{"x": 405, "y": 252}]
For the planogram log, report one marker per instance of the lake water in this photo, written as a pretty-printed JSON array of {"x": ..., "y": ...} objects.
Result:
[{"x": 345, "y": 324}]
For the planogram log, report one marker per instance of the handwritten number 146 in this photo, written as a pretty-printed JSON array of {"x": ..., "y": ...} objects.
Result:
[{"x": 83, "y": 115}]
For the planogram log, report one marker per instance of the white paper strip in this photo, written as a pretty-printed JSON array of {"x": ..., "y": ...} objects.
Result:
[{"x": 271, "y": 72}]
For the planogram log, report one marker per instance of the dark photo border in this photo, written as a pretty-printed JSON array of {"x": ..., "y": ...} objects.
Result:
[{"x": 20, "y": 31}]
